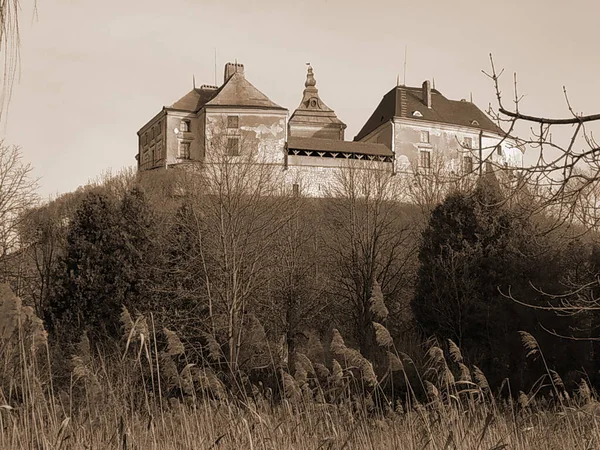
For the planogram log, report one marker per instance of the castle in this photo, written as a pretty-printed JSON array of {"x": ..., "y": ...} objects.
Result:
[{"x": 409, "y": 128}]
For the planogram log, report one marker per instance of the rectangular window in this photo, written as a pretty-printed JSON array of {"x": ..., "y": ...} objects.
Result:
[
  {"x": 158, "y": 151},
  {"x": 468, "y": 164},
  {"x": 158, "y": 129},
  {"x": 233, "y": 121},
  {"x": 424, "y": 159},
  {"x": 488, "y": 166},
  {"x": 499, "y": 150},
  {"x": 184, "y": 150},
  {"x": 296, "y": 189},
  {"x": 233, "y": 146},
  {"x": 425, "y": 137},
  {"x": 468, "y": 142}
]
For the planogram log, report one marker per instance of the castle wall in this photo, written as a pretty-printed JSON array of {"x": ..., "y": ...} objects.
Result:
[
  {"x": 320, "y": 131},
  {"x": 319, "y": 177},
  {"x": 449, "y": 143},
  {"x": 174, "y": 151},
  {"x": 263, "y": 133}
]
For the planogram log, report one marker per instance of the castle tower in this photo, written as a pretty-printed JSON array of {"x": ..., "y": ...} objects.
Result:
[{"x": 313, "y": 118}]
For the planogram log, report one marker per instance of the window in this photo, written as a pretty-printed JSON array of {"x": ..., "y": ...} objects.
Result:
[
  {"x": 468, "y": 164},
  {"x": 425, "y": 137},
  {"x": 144, "y": 139},
  {"x": 468, "y": 142},
  {"x": 475, "y": 123},
  {"x": 488, "y": 166},
  {"x": 233, "y": 121},
  {"x": 425, "y": 159},
  {"x": 158, "y": 128},
  {"x": 184, "y": 150},
  {"x": 184, "y": 126},
  {"x": 499, "y": 150},
  {"x": 158, "y": 151},
  {"x": 233, "y": 146},
  {"x": 296, "y": 189}
]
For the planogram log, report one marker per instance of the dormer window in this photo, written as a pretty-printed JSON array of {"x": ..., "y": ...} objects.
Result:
[
  {"x": 474, "y": 123},
  {"x": 417, "y": 114}
]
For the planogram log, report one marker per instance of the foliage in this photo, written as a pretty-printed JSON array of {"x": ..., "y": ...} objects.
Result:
[
  {"x": 475, "y": 253},
  {"x": 101, "y": 268}
]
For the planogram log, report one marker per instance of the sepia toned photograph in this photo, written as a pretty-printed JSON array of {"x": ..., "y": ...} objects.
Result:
[{"x": 317, "y": 225}]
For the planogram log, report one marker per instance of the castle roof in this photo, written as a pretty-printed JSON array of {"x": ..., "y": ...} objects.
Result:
[
  {"x": 331, "y": 145},
  {"x": 236, "y": 91},
  {"x": 312, "y": 109},
  {"x": 403, "y": 101},
  {"x": 194, "y": 100}
]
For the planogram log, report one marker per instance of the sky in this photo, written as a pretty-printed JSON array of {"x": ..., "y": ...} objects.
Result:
[{"x": 92, "y": 73}]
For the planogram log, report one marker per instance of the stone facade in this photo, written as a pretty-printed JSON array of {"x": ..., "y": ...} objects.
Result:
[{"x": 410, "y": 128}]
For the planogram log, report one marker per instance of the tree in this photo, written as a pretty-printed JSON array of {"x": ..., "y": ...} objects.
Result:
[
  {"x": 369, "y": 239},
  {"x": 17, "y": 194},
  {"x": 473, "y": 246},
  {"x": 564, "y": 183},
  {"x": 233, "y": 207},
  {"x": 101, "y": 269}
]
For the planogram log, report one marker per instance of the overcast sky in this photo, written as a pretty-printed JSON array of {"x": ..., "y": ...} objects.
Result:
[{"x": 93, "y": 72}]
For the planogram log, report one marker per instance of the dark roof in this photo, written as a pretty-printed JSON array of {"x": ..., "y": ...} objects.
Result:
[
  {"x": 237, "y": 91},
  {"x": 330, "y": 145},
  {"x": 194, "y": 100},
  {"x": 402, "y": 101}
]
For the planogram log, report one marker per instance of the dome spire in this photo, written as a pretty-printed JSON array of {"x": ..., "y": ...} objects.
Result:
[{"x": 310, "y": 78}]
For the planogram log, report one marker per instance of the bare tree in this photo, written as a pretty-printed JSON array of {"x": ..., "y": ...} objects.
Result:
[
  {"x": 370, "y": 239},
  {"x": 427, "y": 187},
  {"x": 561, "y": 184},
  {"x": 17, "y": 194},
  {"x": 563, "y": 171},
  {"x": 234, "y": 207}
]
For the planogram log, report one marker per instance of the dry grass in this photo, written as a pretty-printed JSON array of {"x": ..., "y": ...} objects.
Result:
[{"x": 150, "y": 399}]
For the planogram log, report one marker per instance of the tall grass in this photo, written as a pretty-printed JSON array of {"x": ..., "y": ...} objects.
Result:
[{"x": 147, "y": 395}]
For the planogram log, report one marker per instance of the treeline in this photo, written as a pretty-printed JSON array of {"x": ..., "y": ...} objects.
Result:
[{"x": 252, "y": 278}]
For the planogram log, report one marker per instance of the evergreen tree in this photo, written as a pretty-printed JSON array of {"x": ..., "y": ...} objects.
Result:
[
  {"x": 473, "y": 246},
  {"x": 102, "y": 266}
]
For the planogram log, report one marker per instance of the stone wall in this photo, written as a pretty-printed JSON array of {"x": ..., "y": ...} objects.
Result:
[
  {"x": 319, "y": 177},
  {"x": 262, "y": 134}
]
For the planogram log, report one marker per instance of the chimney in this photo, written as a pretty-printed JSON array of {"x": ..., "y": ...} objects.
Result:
[
  {"x": 427, "y": 93},
  {"x": 231, "y": 68}
]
